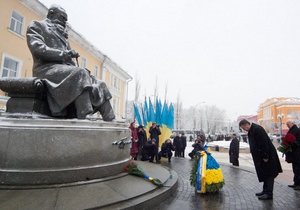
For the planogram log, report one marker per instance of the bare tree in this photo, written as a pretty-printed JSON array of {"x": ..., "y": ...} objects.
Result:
[
  {"x": 155, "y": 91},
  {"x": 166, "y": 91},
  {"x": 137, "y": 92},
  {"x": 178, "y": 112},
  {"x": 137, "y": 88},
  {"x": 215, "y": 118}
]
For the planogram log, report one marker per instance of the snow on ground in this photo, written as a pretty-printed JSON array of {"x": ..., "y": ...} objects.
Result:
[{"x": 225, "y": 144}]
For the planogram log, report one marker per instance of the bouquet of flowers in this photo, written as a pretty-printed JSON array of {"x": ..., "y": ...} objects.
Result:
[
  {"x": 134, "y": 169},
  {"x": 286, "y": 143}
]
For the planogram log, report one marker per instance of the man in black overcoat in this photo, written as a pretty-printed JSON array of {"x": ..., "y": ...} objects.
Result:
[
  {"x": 265, "y": 157},
  {"x": 177, "y": 144},
  {"x": 142, "y": 137},
  {"x": 293, "y": 129},
  {"x": 154, "y": 131},
  {"x": 234, "y": 149},
  {"x": 183, "y": 141}
]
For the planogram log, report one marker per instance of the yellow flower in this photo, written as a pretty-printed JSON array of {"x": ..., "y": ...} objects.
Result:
[{"x": 213, "y": 176}]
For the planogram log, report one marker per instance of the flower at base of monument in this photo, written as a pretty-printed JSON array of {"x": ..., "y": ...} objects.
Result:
[{"x": 134, "y": 169}]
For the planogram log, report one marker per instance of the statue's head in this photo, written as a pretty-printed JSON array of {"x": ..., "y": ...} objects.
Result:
[{"x": 58, "y": 15}]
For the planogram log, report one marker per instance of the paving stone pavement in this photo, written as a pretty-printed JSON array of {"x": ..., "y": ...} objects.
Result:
[{"x": 241, "y": 184}]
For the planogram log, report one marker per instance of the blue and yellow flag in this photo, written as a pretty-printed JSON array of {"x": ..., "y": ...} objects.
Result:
[
  {"x": 137, "y": 114},
  {"x": 165, "y": 131},
  {"x": 162, "y": 115}
]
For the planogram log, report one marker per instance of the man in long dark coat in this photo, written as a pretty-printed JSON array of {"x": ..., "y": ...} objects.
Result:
[
  {"x": 178, "y": 145},
  {"x": 142, "y": 136},
  {"x": 66, "y": 83},
  {"x": 234, "y": 149},
  {"x": 293, "y": 129},
  {"x": 183, "y": 141},
  {"x": 154, "y": 131},
  {"x": 265, "y": 157}
]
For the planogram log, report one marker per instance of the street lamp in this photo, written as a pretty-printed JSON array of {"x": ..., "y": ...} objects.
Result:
[{"x": 280, "y": 116}]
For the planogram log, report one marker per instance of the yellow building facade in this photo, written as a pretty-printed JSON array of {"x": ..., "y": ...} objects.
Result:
[
  {"x": 16, "y": 59},
  {"x": 275, "y": 112}
]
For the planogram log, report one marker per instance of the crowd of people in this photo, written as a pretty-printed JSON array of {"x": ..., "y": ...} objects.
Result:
[
  {"x": 264, "y": 154},
  {"x": 147, "y": 149}
]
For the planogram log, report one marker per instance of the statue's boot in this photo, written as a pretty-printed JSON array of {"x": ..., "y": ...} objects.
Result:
[
  {"x": 106, "y": 111},
  {"x": 83, "y": 105}
]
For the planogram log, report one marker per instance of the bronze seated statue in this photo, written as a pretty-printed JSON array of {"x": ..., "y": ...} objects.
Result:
[{"x": 58, "y": 88}]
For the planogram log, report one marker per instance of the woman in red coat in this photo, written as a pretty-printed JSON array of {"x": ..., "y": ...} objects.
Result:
[{"x": 134, "y": 141}]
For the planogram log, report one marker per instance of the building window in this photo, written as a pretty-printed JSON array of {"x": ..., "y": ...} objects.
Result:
[
  {"x": 96, "y": 71},
  {"x": 16, "y": 23},
  {"x": 288, "y": 112},
  {"x": 116, "y": 106},
  {"x": 115, "y": 82},
  {"x": 83, "y": 62},
  {"x": 10, "y": 67}
]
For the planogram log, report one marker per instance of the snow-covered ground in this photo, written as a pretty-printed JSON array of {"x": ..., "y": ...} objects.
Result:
[
  {"x": 245, "y": 158},
  {"x": 225, "y": 144}
]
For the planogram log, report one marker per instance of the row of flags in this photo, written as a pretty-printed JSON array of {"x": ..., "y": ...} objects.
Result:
[{"x": 163, "y": 115}]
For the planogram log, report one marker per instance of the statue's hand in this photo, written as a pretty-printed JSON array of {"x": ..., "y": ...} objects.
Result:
[{"x": 73, "y": 54}]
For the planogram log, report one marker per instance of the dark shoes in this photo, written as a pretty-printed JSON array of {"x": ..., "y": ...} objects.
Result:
[
  {"x": 265, "y": 197},
  {"x": 297, "y": 187},
  {"x": 259, "y": 194}
]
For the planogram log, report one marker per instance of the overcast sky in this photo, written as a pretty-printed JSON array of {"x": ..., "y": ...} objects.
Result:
[{"x": 234, "y": 54}]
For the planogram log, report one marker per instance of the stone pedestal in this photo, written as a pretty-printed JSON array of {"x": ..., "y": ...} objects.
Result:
[
  {"x": 117, "y": 192},
  {"x": 48, "y": 152}
]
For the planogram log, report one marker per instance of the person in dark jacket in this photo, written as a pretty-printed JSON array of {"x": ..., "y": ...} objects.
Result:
[
  {"x": 234, "y": 149},
  {"x": 177, "y": 144},
  {"x": 142, "y": 138},
  {"x": 149, "y": 150},
  {"x": 265, "y": 157},
  {"x": 295, "y": 154},
  {"x": 166, "y": 150},
  {"x": 183, "y": 141},
  {"x": 154, "y": 131},
  {"x": 197, "y": 147}
]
